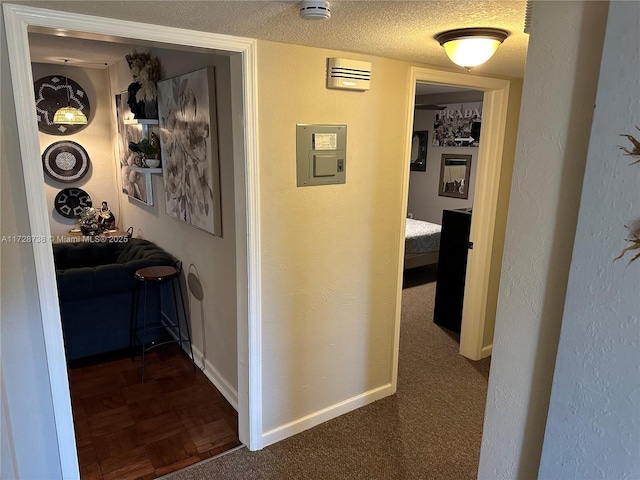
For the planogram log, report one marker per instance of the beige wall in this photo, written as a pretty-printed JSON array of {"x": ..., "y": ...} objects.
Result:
[
  {"x": 508, "y": 153},
  {"x": 329, "y": 253},
  {"x": 95, "y": 138}
]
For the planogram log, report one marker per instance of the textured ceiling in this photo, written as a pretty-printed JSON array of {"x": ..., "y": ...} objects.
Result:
[{"x": 394, "y": 29}]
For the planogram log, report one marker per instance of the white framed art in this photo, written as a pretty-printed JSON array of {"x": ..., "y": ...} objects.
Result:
[{"x": 189, "y": 144}]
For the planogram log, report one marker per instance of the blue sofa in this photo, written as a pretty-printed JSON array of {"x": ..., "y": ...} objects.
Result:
[{"x": 96, "y": 290}]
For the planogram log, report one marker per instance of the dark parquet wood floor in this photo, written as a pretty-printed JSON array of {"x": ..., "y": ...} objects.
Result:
[{"x": 129, "y": 430}]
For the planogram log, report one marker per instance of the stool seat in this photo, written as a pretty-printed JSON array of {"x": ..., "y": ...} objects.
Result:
[{"x": 159, "y": 273}]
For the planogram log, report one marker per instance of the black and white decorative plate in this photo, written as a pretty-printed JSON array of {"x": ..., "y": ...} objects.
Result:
[
  {"x": 65, "y": 161},
  {"x": 54, "y": 92},
  {"x": 69, "y": 202}
]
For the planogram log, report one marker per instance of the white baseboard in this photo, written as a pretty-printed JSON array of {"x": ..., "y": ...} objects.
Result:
[
  {"x": 221, "y": 383},
  {"x": 321, "y": 416},
  {"x": 486, "y": 351},
  {"x": 212, "y": 373}
]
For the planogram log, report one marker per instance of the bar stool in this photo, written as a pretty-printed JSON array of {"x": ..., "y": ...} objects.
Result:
[{"x": 158, "y": 275}]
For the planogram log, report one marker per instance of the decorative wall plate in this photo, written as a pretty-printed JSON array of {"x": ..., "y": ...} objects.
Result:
[
  {"x": 54, "y": 92},
  {"x": 69, "y": 202},
  {"x": 65, "y": 161}
]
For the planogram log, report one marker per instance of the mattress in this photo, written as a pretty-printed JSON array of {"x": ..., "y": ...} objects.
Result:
[{"x": 421, "y": 237}]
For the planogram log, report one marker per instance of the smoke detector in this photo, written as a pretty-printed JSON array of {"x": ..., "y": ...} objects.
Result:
[{"x": 315, "y": 9}]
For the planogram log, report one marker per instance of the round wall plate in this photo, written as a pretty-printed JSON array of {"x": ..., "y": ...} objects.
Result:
[
  {"x": 54, "y": 92},
  {"x": 65, "y": 161},
  {"x": 69, "y": 202}
]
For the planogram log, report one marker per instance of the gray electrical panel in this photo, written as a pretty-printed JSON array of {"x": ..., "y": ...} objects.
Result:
[{"x": 321, "y": 154}]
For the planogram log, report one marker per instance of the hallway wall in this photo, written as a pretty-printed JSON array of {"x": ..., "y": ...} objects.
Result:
[
  {"x": 555, "y": 122},
  {"x": 594, "y": 416}
]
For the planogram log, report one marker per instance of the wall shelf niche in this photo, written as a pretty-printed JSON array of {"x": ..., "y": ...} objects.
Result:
[
  {"x": 147, "y": 125},
  {"x": 142, "y": 121}
]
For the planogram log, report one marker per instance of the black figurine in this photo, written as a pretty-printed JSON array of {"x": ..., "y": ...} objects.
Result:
[{"x": 106, "y": 218}]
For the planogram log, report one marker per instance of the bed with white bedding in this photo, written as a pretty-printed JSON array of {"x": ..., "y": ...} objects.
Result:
[{"x": 422, "y": 243}]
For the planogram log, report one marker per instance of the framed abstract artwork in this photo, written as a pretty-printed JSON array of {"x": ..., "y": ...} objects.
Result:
[{"x": 189, "y": 146}]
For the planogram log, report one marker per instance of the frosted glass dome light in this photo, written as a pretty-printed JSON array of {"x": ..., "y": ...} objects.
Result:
[{"x": 470, "y": 47}]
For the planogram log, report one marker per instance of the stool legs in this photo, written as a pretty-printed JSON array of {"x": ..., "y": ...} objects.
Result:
[
  {"x": 141, "y": 334},
  {"x": 186, "y": 320},
  {"x": 134, "y": 321},
  {"x": 144, "y": 329}
]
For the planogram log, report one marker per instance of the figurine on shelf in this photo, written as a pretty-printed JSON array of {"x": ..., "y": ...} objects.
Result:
[
  {"x": 106, "y": 219},
  {"x": 88, "y": 224}
]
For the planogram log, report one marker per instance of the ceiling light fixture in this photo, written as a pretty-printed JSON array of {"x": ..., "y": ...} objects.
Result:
[
  {"x": 315, "y": 9},
  {"x": 69, "y": 115},
  {"x": 470, "y": 47}
]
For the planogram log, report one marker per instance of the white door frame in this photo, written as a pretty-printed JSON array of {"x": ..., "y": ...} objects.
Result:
[
  {"x": 18, "y": 20},
  {"x": 494, "y": 121}
]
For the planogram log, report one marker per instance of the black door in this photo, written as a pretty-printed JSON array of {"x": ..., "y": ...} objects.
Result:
[{"x": 452, "y": 268}]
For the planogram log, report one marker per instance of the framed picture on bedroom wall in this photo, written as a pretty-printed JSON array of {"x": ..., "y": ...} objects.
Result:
[
  {"x": 458, "y": 125},
  {"x": 419, "y": 151},
  {"x": 455, "y": 171}
]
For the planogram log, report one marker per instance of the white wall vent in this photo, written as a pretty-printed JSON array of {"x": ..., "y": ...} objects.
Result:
[{"x": 348, "y": 74}]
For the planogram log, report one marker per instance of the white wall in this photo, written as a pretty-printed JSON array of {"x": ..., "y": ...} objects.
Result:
[
  {"x": 555, "y": 122},
  {"x": 27, "y": 409},
  {"x": 593, "y": 427},
  {"x": 424, "y": 201},
  {"x": 95, "y": 138},
  {"x": 213, "y": 321}
]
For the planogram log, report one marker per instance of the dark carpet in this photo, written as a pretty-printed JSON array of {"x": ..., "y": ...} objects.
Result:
[{"x": 431, "y": 429}]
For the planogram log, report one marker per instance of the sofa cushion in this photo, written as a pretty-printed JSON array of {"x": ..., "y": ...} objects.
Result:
[
  {"x": 105, "y": 268},
  {"x": 138, "y": 249},
  {"x": 83, "y": 254}
]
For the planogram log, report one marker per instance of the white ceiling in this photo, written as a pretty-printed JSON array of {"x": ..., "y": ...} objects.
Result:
[{"x": 393, "y": 29}]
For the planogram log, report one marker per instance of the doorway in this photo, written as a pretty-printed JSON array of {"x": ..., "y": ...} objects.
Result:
[
  {"x": 480, "y": 286},
  {"x": 447, "y": 120},
  {"x": 19, "y": 21}
]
